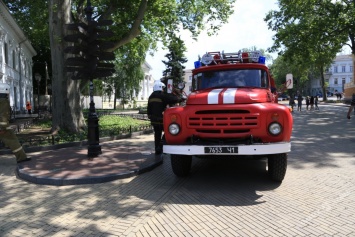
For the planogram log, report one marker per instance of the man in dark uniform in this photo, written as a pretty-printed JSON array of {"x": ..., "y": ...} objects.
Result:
[
  {"x": 7, "y": 135},
  {"x": 157, "y": 103}
]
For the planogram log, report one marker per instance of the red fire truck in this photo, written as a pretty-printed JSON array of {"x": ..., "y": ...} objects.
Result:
[{"x": 232, "y": 111}]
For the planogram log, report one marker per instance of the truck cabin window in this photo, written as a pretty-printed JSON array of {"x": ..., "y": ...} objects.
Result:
[{"x": 231, "y": 78}]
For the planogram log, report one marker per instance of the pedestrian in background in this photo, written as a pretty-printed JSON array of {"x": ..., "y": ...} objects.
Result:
[
  {"x": 7, "y": 135},
  {"x": 29, "y": 107},
  {"x": 351, "y": 106},
  {"x": 307, "y": 102},
  {"x": 316, "y": 103},
  {"x": 311, "y": 102},
  {"x": 292, "y": 102},
  {"x": 299, "y": 102}
]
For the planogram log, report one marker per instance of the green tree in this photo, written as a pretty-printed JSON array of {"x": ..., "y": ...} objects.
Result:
[
  {"x": 176, "y": 58},
  {"x": 125, "y": 83},
  {"x": 36, "y": 32},
  {"x": 281, "y": 67},
  {"x": 136, "y": 18},
  {"x": 311, "y": 31}
]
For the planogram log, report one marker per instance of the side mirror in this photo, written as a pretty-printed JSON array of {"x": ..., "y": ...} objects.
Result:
[{"x": 181, "y": 85}]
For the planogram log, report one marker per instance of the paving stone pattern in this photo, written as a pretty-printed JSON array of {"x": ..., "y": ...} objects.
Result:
[{"x": 219, "y": 198}]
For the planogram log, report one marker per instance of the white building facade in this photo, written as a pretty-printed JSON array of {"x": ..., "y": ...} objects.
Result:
[
  {"x": 16, "y": 54},
  {"x": 339, "y": 73},
  {"x": 146, "y": 86}
]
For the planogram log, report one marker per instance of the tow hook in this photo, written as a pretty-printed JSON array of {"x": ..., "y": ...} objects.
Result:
[{"x": 250, "y": 140}]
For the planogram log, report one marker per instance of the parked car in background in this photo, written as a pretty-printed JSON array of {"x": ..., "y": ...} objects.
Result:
[
  {"x": 328, "y": 94},
  {"x": 283, "y": 97}
]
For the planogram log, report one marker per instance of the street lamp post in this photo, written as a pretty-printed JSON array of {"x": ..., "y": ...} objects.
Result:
[
  {"x": 94, "y": 148},
  {"x": 38, "y": 79}
]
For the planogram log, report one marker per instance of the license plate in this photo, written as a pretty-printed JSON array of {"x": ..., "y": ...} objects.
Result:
[{"x": 221, "y": 150}]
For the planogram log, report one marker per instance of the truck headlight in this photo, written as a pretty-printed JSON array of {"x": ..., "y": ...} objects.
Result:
[
  {"x": 275, "y": 128},
  {"x": 174, "y": 129}
]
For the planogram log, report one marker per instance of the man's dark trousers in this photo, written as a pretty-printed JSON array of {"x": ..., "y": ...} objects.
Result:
[{"x": 158, "y": 131}]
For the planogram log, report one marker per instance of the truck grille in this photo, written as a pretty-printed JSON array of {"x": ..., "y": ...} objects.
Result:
[{"x": 223, "y": 121}]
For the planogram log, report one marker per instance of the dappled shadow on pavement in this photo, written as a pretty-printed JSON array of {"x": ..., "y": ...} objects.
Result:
[
  {"x": 234, "y": 190},
  {"x": 317, "y": 132}
]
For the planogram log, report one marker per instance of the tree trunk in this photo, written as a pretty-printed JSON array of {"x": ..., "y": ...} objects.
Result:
[
  {"x": 67, "y": 113},
  {"x": 322, "y": 82}
]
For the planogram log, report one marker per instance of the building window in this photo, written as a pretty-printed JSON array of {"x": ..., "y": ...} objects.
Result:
[
  {"x": 6, "y": 49},
  {"x": 342, "y": 68},
  {"x": 15, "y": 99},
  {"x": 351, "y": 68},
  {"x": 190, "y": 78},
  {"x": 335, "y": 69},
  {"x": 335, "y": 81},
  {"x": 343, "y": 81},
  {"x": 13, "y": 59}
]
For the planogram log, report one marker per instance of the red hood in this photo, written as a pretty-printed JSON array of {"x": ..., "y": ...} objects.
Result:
[{"x": 230, "y": 96}]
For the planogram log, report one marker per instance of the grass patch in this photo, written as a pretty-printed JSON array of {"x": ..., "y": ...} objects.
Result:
[
  {"x": 118, "y": 122},
  {"x": 105, "y": 122},
  {"x": 109, "y": 125}
]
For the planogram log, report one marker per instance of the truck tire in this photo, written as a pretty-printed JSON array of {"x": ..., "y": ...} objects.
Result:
[
  {"x": 277, "y": 165},
  {"x": 181, "y": 164}
]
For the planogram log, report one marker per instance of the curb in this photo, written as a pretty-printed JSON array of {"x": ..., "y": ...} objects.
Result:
[
  {"x": 51, "y": 177},
  {"x": 45, "y": 180}
]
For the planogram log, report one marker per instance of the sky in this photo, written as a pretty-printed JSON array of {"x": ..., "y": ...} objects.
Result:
[{"x": 246, "y": 28}]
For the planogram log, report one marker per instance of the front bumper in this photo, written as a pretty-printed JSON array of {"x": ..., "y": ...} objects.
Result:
[{"x": 255, "y": 149}]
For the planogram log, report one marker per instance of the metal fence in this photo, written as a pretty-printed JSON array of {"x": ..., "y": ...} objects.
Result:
[
  {"x": 23, "y": 125},
  {"x": 46, "y": 140},
  {"x": 81, "y": 137},
  {"x": 135, "y": 115}
]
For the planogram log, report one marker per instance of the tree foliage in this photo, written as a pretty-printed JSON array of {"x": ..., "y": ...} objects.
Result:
[
  {"x": 36, "y": 31},
  {"x": 176, "y": 58},
  {"x": 125, "y": 83},
  {"x": 309, "y": 33},
  {"x": 281, "y": 67},
  {"x": 148, "y": 20},
  {"x": 32, "y": 16}
]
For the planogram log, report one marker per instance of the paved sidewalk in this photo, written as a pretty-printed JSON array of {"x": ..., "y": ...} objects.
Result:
[
  {"x": 70, "y": 166},
  {"x": 218, "y": 198}
]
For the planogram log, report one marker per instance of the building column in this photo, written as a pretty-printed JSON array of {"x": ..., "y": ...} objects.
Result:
[
  {"x": 150, "y": 88},
  {"x": 2, "y": 54},
  {"x": 143, "y": 91}
]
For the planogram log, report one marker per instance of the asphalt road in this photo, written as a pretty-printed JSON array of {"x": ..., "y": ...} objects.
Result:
[{"x": 219, "y": 198}]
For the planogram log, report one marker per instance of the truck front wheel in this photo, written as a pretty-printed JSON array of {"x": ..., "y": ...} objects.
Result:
[
  {"x": 181, "y": 164},
  {"x": 277, "y": 165}
]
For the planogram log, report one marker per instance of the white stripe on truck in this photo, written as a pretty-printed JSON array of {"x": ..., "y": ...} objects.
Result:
[
  {"x": 229, "y": 96},
  {"x": 213, "y": 96}
]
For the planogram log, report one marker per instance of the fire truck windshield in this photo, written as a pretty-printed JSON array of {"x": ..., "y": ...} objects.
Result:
[{"x": 231, "y": 78}]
